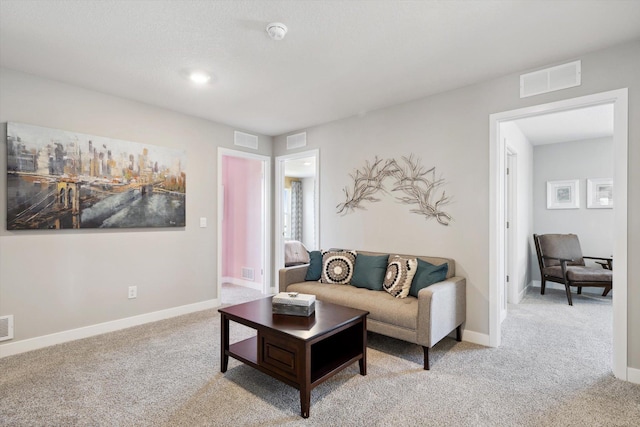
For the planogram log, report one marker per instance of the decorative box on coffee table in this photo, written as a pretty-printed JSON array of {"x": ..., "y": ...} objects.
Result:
[{"x": 293, "y": 303}]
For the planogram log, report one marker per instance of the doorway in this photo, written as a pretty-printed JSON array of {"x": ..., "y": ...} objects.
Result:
[
  {"x": 619, "y": 100},
  {"x": 243, "y": 224},
  {"x": 301, "y": 225}
]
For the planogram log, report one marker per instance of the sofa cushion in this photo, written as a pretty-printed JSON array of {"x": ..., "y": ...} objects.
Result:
[
  {"x": 382, "y": 307},
  {"x": 399, "y": 275},
  {"x": 587, "y": 274},
  {"x": 369, "y": 271},
  {"x": 315, "y": 266},
  {"x": 427, "y": 274},
  {"x": 433, "y": 260},
  {"x": 560, "y": 246},
  {"x": 580, "y": 274},
  {"x": 337, "y": 266}
]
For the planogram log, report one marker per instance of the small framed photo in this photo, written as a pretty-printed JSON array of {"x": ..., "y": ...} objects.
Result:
[
  {"x": 600, "y": 193},
  {"x": 563, "y": 194}
]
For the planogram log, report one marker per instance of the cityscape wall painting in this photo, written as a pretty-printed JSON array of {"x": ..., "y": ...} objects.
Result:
[{"x": 58, "y": 179}]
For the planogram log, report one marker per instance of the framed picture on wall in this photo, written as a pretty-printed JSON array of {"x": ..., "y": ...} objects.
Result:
[
  {"x": 600, "y": 193},
  {"x": 563, "y": 194},
  {"x": 58, "y": 179}
]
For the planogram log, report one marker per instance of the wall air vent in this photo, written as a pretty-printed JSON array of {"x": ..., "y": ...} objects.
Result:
[
  {"x": 248, "y": 273},
  {"x": 551, "y": 79},
  {"x": 6, "y": 328},
  {"x": 297, "y": 141},
  {"x": 242, "y": 139}
]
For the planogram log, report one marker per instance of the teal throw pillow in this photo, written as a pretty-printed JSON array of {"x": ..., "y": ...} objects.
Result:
[
  {"x": 315, "y": 266},
  {"x": 427, "y": 274},
  {"x": 369, "y": 271}
]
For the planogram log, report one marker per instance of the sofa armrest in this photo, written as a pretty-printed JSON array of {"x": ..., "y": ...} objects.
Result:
[
  {"x": 289, "y": 275},
  {"x": 442, "y": 307}
]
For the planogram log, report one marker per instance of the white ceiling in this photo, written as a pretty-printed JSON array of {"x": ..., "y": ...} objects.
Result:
[
  {"x": 573, "y": 125},
  {"x": 300, "y": 168},
  {"x": 339, "y": 58}
]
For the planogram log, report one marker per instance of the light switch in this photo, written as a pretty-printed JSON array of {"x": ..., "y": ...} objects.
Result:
[{"x": 203, "y": 222}]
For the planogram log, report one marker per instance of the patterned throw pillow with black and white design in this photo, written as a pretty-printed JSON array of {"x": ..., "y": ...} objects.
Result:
[
  {"x": 337, "y": 266},
  {"x": 400, "y": 272}
]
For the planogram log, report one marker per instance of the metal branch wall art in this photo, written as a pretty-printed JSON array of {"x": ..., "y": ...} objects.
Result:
[
  {"x": 417, "y": 185},
  {"x": 366, "y": 183}
]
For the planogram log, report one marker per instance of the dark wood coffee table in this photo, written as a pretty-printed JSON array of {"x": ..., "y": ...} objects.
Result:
[{"x": 299, "y": 351}]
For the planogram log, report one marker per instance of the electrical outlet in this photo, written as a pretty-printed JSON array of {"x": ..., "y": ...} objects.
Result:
[{"x": 133, "y": 292}]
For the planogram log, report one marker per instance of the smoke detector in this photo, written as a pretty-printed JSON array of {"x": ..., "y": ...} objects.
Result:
[{"x": 276, "y": 30}]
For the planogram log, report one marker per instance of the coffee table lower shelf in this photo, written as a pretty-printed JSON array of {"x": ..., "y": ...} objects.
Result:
[{"x": 246, "y": 351}]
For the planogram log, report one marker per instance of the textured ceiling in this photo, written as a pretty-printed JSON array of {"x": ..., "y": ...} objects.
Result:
[{"x": 339, "y": 58}]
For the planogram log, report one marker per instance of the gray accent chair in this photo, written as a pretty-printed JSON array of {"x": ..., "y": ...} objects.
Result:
[{"x": 560, "y": 259}]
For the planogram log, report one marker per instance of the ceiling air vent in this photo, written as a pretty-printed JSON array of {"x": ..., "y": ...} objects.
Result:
[
  {"x": 550, "y": 79},
  {"x": 297, "y": 141},
  {"x": 242, "y": 139}
]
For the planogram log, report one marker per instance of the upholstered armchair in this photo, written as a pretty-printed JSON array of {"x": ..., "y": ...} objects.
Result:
[{"x": 560, "y": 259}]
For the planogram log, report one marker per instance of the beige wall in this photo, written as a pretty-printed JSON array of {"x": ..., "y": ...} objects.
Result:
[
  {"x": 451, "y": 131},
  {"x": 53, "y": 281}
]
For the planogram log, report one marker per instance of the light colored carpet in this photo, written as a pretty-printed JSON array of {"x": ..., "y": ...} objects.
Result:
[
  {"x": 235, "y": 294},
  {"x": 553, "y": 369}
]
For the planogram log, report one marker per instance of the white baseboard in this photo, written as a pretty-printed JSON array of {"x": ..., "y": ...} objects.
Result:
[
  {"x": 475, "y": 337},
  {"x": 633, "y": 375},
  {"x": 30, "y": 344},
  {"x": 523, "y": 292},
  {"x": 241, "y": 282}
]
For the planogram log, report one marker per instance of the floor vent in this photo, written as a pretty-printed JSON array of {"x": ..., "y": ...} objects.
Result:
[
  {"x": 6, "y": 328},
  {"x": 242, "y": 139},
  {"x": 551, "y": 79},
  {"x": 248, "y": 273},
  {"x": 297, "y": 141}
]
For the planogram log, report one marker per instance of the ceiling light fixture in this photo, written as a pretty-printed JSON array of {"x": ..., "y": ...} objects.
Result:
[
  {"x": 199, "y": 77},
  {"x": 276, "y": 30}
]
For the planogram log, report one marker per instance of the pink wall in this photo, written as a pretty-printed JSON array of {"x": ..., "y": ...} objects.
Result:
[{"x": 242, "y": 222}]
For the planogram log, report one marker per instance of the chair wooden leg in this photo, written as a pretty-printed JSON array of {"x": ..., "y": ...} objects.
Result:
[
  {"x": 579, "y": 290},
  {"x": 426, "y": 357},
  {"x": 568, "y": 289},
  {"x": 542, "y": 286},
  {"x": 606, "y": 291}
]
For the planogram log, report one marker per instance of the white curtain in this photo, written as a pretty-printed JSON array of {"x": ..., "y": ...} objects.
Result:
[{"x": 296, "y": 210}]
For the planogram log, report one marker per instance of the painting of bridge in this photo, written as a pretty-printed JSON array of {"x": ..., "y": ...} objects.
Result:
[{"x": 60, "y": 179}]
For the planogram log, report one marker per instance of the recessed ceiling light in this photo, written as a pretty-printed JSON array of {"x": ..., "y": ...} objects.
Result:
[{"x": 199, "y": 77}]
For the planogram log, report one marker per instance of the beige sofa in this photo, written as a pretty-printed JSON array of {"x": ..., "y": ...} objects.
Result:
[{"x": 425, "y": 320}]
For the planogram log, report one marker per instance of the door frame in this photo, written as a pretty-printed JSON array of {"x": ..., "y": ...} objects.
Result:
[
  {"x": 513, "y": 270},
  {"x": 278, "y": 249},
  {"x": 266, "y": 214},
  {"x": 619, "y": 99}
]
